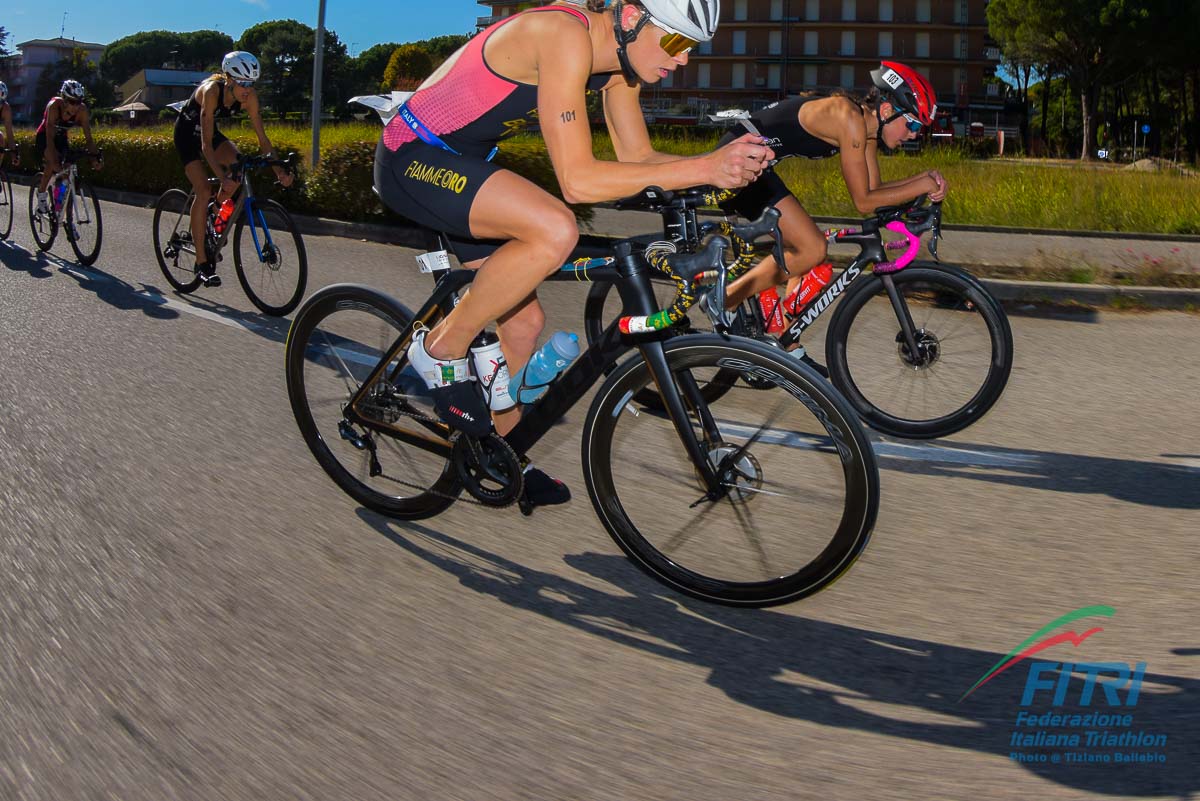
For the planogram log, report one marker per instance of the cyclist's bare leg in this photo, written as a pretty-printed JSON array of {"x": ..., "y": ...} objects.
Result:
[
  {"x": 53, "y": 167},
  {"x": 541, "y": 233},
  {"x": 197, "y": 175},
  {"x": 519, "y": 330},
  {"x": 804, "y": 247},
  {"x": 227, "y": 154}
]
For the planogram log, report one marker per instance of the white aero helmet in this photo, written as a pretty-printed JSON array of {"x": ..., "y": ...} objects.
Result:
[
  {"x": 71, "y": 89},
  {"x": 3, "y": 91},
  {"x": 695, "y": 19},
  {"x": 241, "y": 66}
]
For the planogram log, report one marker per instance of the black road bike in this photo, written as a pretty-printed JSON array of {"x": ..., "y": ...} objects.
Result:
[
  {"x": 920, "y": 349},
  {"x": 754, "y": 498},
  {"x": 268, "y": 252}
]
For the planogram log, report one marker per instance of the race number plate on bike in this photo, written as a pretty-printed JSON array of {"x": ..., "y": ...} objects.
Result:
[{"x": 433, "y": 261}]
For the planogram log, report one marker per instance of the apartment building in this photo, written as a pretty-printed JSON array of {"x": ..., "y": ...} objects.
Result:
[
  {"x": 765, "y": 50},
  {"x": 21, "y": 71}
]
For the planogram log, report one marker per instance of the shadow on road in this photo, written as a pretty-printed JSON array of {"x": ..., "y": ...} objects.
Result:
[
  {"x": 1171, "y": 486},
  {"x": 116, "y": 292},
  {"x": 834, "y": 675},
  {"x": 36, "y": 263}
]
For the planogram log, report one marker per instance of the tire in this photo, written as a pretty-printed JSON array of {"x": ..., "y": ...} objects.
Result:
[
  {"x": 43, "y": 226},
  {"x": 807, "y": 479},
  {"x": 335, "y": 342},
  {"x": 275, "y": 282},
  {"x": 175, "y": 251},
  {"x": 596, "y": 317},
  {"x": 7, "y": 203},
  {"x": 958, "y": 379},
  {"x": 85, "y": 226}
]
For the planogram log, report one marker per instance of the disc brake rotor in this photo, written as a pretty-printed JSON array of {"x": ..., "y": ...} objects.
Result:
[{"x": 929, "y": 350}]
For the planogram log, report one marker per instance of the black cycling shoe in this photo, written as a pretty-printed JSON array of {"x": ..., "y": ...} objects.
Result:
[
  {"x": 542, "y": 490},
  {"x": 208, "y": 275}
]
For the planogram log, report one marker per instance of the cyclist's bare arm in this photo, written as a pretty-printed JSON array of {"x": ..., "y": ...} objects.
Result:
[
  {"x": 254, "y": 111},
  {"x": 85, "y": 122},
  {"x": 563, "y": 66},
  {"x": 860, "y": 169},
  {"x": 627, "y": 125}
]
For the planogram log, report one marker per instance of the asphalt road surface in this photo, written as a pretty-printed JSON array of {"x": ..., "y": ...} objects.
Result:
[{"x": 190, "y": 608}]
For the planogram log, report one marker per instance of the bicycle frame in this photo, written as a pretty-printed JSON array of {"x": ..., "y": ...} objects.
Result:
[{"x": 630, "y": 273}]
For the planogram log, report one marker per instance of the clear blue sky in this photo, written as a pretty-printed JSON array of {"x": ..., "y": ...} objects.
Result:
[{"x": 358, "y": 23}]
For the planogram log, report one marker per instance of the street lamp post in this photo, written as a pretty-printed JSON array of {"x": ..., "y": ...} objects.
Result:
[{"x": 318, "y": 66}]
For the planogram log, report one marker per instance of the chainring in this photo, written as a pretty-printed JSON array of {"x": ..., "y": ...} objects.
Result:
[{"x": 488, "y": 468}]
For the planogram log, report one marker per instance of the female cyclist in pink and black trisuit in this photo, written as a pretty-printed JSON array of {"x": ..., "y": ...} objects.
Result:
[
  {"x": 901, "y": 104},
  {"x": 432, "y": 165},
  {"x": 62, "y": 113}
]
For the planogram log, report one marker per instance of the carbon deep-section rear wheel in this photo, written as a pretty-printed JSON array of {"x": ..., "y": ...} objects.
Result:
[
  {"x": 389, "y": 453},
  {"x": 798, "y": 481}
]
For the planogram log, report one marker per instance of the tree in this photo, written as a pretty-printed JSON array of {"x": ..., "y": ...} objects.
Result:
[
  {"x": 408, "y": 66},
  {"x": 1091, "y": 42},
  {"x": 440, "y": 48},
  {"x": 285, "y": 50},
  {"x": 100, "y": 92},
  {"x": 369, "y": 66},
  {"x": 3, "y": 38},
  {"x": 154, "y": 49}
]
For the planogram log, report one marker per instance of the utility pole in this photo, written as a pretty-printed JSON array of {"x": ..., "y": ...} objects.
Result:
[{"x": 318, "y": 67}]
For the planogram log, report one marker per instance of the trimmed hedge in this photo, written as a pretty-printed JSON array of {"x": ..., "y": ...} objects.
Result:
[{"x": 144, "y": 160}]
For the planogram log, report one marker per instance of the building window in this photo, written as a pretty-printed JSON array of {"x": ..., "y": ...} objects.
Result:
[
  {"x": 812, "y": 10},
  {"x": 847, "y": 76},
  {"x": 847, "y": 43},
  {"x": 773, "y": 76},
  {"x": 810, "y": 43},
  {"x": 922, "y": 10},
  {"x": 922, "y": 45},
  {"x": 739, "y": 43},
  {"x": 775, "y": 43},
  {"x": 885, "y": 43},
  {"x": 961, "y": 14},
  {"x": 960, "y": 77},
  {"x": 776, "y": 9},
  {"x": 924, "y": 72},
  {"x": 667, "y": 80},
  {"x": 885, "y": 10},
  {"x": 703, "y": 80},
  {"x": 960, "y": 46},
  {"x": 849, "y": 9},
  {"x": 739, "y": 76},
  {"x": 810, "y": 76},
  {"x": 705, "y": 48},
  {"x": 739, "y": 9}
]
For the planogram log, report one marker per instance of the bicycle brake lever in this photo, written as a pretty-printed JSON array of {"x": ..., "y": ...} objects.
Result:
[{"x": 721, "y": 319}]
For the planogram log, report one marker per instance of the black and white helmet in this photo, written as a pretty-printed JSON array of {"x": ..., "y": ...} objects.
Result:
[
  {"x": 695, "y": 19},
  {"x": 72, "y": 90},
  {"x": 3, "y": 91},
  {"x": 241, "y": 66}
]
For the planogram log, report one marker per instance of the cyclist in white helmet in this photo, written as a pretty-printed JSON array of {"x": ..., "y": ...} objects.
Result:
[
  {"x": 433, "y": 166},
  {"x": 63, "y": 112},
  {"x": 200, "y": 143},
  {"x": 6, "y": 136}
]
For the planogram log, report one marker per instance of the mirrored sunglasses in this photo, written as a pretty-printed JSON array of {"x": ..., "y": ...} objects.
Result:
[
  {"x": 245, "y": 84},
  {"x": 676, "y": 44},
  {"x": 912, "y": 123}
]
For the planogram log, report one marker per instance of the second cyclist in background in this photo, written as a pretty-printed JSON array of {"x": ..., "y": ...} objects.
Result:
[
  {"x": 900, "y": 104},
  {"x": 63, "y": 112},
  {"x": 200, "y": 143}
]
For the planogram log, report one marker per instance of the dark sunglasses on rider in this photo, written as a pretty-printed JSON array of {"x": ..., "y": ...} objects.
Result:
[
  {"x": 673, "y": 44},
  {"x": 912, "y": 123},
  {"x": 243, "y": 84},
  {"x": 676, "y": 44}
]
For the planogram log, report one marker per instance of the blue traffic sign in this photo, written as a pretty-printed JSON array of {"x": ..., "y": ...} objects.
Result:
[{"x": 1145, "y": 129}]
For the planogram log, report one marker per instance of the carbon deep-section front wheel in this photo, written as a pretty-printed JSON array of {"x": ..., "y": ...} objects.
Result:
[
  {"x": 84, "y": 226},
  {"x": 798, "y": 484},
  {"x": 269, "y": 255},
  {"x": 963, "y": 359},
  {"x": 173, "y": 246},
  {"x": 390, "y": 453}
]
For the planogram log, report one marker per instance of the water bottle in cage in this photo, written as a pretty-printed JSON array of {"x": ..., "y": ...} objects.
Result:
[
  {"x": 492, "y": 371},
  {"x": 813, "y": 282}
]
